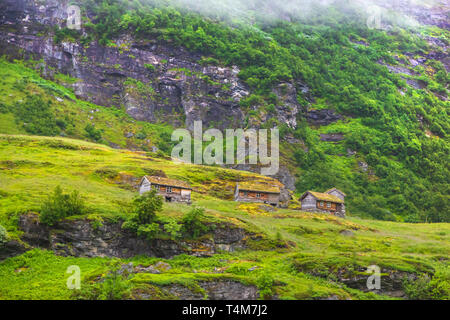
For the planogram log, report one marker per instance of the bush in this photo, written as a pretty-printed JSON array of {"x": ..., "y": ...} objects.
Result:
[
  {"x": 146, "y": 206},
  {"x": 192, "y": 225},
  {"x": 424, "y": 288},
  {"x": 60, "y": 205},
  {"x": 149, "y": 67},
  {"x": 3, "y": 108},
  {"x": 265, "y": 284},
  {"x": 143, "y": 217},
  {"x": 115, "y": 285},
  {"x": 3, "y": 235},
  {"x": 36, "y": 116},
  {"x": 149, "y": 230},
  {"x": 171, "y": 227},
  {"x": 92, "y": 133}
]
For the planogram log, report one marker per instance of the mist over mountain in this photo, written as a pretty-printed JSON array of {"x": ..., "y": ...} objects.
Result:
[{"x": 403, "y": 13}]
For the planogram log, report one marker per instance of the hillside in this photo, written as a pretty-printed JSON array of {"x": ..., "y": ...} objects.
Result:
[
  {"x": 363, "y": 109},
  {"x": 253, "y": 251}
]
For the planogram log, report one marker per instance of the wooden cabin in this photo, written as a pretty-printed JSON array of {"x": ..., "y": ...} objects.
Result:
[
  {"x": 260, "y": 193},
  {"x": 171, "y": 190},
  {"x": 331, "y": 201}
]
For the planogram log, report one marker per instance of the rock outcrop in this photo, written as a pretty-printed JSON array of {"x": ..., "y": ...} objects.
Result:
[
  {"x": 322, "y": 117},
  {"x": 10, "y": 249},
  {"x": 81, "y": 239},
  {"x": 214, "y": 290}
]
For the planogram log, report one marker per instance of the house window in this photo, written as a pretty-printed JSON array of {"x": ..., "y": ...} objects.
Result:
[
  {"x": 156, "y": 187},
  {"x": 328, "y": 204},
  {"x": 258, "y": 195},
  {"x": 321, "y": 203},
  {"x": 169, "y": 190}
]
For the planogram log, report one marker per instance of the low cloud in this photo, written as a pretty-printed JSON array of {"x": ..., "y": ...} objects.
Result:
[{"x": 387, "y": 12}]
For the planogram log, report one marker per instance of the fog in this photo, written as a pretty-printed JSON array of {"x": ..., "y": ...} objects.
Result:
[{"x": 373, "y": 13}]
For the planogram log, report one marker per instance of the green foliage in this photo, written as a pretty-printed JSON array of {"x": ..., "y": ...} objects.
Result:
[
  {"x": 341, "y": 76},
  {"x": 171, "y": 226},
  {"x": 193, "y": 226},
  {"x": 115, "y": 285},
  {"x": 60, "y": 205},
  {"x": 93, "y": 133},
  {"x": 66, "y": 34},
  {"x": 150, "y": 67},
  {"x": 148, "y": 230},
  {"x": 143, "y": 218},
  {"x": 426, "y": 288},
  {"x": 147, "y": 206},
  {"x": 265, "y": 285},
  {"x": 36, "y": 116},
  {"x": 3, "y": 108}
]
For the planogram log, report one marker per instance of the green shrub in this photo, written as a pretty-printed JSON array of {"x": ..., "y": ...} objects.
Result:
[
  {"x": 149, "y": 67},
  {"x": 3, "y": 108},
  {"x": 193, "y": 226},
  {"x": 92, "y": 133},
  {"x": 171, "y": 226},
  {"x": 60, "y": 205},
  {"x": 426, "y": 288},
  {"x": 149, "y": 230},
  {"x": 115, "y": 285},
  {"x": 142, "y": 220},
  {"x": 141, "y": 135},
  {"x": 36, "y": 116},
  {"x": 146, "y": 206},
  {"x": 265, "y": 285}
]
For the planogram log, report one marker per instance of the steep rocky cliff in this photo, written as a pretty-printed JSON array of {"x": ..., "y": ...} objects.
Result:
[
  {"x": 152, "y": 80},
  {"x": 81, "y": 239}
]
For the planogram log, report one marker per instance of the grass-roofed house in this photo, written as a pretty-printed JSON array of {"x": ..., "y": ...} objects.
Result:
[
  {"x": 172, "y": 190},
  {"x": 331, "y": 201},
  {"x": 257, "y": 192}
]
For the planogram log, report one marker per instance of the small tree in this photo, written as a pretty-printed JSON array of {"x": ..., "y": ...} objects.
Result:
[
  {"x": 143, "y": 217},
  {"x": 146, "y": 206},
  {"x": 192, "y": 223},
  {"x": 60, "y": 205},
  {"x": 116, "y": 285},
  {"x": 92, "y": 133}
]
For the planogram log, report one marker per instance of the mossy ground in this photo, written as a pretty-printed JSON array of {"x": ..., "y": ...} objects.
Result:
[{"x": 30, "y": 167}]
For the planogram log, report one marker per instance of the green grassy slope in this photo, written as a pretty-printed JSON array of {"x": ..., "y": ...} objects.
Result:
[
  {"x": 68, "y": 115},
  {"x": 305, "y": 267}
]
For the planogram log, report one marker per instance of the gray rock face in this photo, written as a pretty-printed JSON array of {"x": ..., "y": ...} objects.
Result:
[
  {"x": 78, "y": 238},
  {"x": 11, "y": 249},
  {"x": 332, "y": 137},
  {"x": 322, "y": 117},
  {"x": 391, "y": 281},
  {"x": 215, "y": 290},
  {"x": 288, "y": 108}
]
